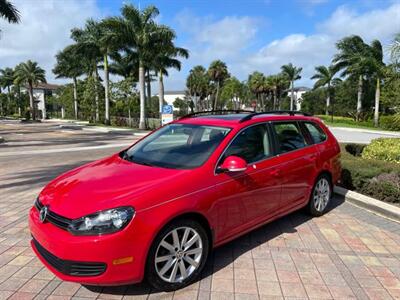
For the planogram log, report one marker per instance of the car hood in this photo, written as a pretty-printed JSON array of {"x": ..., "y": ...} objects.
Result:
[{"x": 108, "y": 183}]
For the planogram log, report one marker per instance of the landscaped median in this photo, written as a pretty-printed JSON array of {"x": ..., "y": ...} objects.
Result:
[{"x": 372, "y": 170}]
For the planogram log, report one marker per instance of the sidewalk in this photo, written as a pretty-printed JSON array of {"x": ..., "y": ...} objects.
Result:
[{"x": 383, "y": 132}]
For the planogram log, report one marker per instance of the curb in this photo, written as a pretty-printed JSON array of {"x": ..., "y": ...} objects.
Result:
[{"x": 376, "y": 206}]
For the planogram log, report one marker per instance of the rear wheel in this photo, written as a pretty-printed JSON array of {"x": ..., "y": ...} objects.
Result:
[
  {"x": 177, "y": 255},
  {"x": 320, "y": 195}
]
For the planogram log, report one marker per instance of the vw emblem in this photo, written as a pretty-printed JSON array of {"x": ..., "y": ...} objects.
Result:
[{"x": 43, "y": 213}]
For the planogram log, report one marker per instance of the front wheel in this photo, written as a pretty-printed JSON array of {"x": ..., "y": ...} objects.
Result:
[
  {"x": 320, "y": 196},
  {"x": 177, "y": 255}
]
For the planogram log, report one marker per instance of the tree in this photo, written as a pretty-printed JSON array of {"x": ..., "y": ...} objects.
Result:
[
  {"x": 232, "y": 91},
  {"x": 125, "y": 63},
  {"x": 88, "y": 42},
  {"x": 395, "y": 48},
  {"x": 325, "y": 76},
  {"x": 351, "y": 59},
  {"x": 292, "y": 74},
  {"x": 70, "y": 64},
  {"x": 9, "y": 12},
  {"x": 218, "y": 72},
  {"x": 7, "y": 77},
  {"x": 30, "y": 74},
  {"x": 258, "y": 86},
  {"x": 167, "y": 57},
  {"x": 136, "y": 30},
  {"x": 377, "y": 71},
  {"x": 198, "y": 84},
  {"x": 278, "y": 83}
]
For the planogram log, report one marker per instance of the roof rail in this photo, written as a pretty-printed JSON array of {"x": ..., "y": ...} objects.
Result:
[
  {"x": 274, "y": 112},
  {"x": 215, "y": 112}
]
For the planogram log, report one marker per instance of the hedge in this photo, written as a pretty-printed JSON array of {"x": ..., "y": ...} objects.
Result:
[
  {"x": 387, "y": 149},
  {"x": 390, "y": 122},
  {"x": 376, "y": 178}
]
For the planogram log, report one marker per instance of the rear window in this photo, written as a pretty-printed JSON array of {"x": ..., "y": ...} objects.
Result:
[
  {"x": 289, "y": 136},
  {"x": 316, "y": 133}
]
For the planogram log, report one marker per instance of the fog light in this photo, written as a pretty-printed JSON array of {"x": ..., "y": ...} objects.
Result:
[{"x": 124, "y": 260}]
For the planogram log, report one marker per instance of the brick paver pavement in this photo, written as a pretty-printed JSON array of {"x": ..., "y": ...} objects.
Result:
[{"x": 348, "y": 253}]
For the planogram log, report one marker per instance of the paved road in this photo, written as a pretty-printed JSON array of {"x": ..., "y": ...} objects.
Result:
[
  {"x": 347, "y": 254},
  {"x": 353, "y": 135}
]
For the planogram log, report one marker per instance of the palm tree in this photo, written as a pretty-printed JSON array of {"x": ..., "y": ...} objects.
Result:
[
  {"x": 325, "y": 76},
  {"x": 198, "y": 84},
  {"x": 292, "y": 74},
  {"x": 167, "y": 58},
  {"x": 136, "y": 30},
  {"x": 256, "y": 84},
  {"x": 70, "y": 64},
  {"x": 377, "y": 66},
  {"x": 124, "y": 64},
  {"x": 9, "y": 12},
  {"x": 88, "y": 42},
  {"x": 30, "y": 74},
  {"x": 351, "y": 59},
  {"x": 6, "y": 81},
  {"x": 218, "y": 72},
  {"x": 395, "y": 48}
]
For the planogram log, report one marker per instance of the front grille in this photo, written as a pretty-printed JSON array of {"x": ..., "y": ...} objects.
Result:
[
  {"x": 69, "y": 267},
  {"x": 54, "y": 218}
]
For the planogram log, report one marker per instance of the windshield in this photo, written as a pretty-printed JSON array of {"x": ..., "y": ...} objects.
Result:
[{"x": 178, "y": 146}]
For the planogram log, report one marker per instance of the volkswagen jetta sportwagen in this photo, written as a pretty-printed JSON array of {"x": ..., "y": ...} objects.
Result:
[{"x": 156, "y": 209}]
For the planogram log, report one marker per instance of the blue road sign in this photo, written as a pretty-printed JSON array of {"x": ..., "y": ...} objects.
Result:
[{"x": 167, "y": 109}]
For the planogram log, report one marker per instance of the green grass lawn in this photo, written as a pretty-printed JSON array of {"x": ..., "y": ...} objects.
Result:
[{"x": 347, "y": 122}]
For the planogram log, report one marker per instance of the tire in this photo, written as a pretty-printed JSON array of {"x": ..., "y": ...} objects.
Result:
[
  {"x": 321, "y": 195},
  {"x": 174, "y": 268}
]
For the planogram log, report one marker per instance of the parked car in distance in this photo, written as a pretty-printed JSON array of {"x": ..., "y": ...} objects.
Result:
[{"x": 157, "y": 209}]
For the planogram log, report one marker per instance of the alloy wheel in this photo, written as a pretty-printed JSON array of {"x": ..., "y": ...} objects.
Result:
[
  {"x": 322, "y": 194},
  {"x": 179, "y": 254}
]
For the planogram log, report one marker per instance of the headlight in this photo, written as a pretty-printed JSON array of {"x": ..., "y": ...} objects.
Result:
[{"x": 102, "y": 222}]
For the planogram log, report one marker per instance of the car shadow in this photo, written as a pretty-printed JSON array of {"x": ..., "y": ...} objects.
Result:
[{"x": 224, "y": 255}]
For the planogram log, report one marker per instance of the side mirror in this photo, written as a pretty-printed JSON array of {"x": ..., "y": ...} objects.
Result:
[{"x": 233, "y": 164}]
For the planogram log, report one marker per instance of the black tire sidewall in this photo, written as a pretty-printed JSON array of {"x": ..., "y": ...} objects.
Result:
[
  {"x": 311, "y": 206},
  {"x": 151, "y": 273}
]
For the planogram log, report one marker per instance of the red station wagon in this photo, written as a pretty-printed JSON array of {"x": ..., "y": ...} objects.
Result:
[{"x": 156, "y": 209}]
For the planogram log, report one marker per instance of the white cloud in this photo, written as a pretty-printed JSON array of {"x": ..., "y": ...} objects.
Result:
[{"x": 44, "y": 30}]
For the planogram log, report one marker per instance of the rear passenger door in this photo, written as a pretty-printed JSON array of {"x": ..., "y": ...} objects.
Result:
[{"x": 297, "y": 162}]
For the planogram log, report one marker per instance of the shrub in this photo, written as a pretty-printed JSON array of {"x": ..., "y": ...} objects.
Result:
[
  {"x": 387, "y": 149},
  {"x": 390, "y": 122},
  {"x": 382, "y": 190},
  {"x": 355, "y": 149}
]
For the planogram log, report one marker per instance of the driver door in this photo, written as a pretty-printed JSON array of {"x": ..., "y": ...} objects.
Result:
[{"x": 250, "y": 197}]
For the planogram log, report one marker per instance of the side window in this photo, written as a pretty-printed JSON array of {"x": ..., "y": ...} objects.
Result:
[
  {"x": 317, "y": 134},
  {"x": 289, "y": 136},
  {"x": 252, "y": 144}
]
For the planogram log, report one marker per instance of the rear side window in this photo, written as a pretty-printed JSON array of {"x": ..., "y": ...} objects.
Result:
[
  {"x": 316, "y": 133},
  {"x": 289, "y": 136}
]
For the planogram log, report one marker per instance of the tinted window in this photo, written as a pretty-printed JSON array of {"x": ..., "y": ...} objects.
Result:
[
  {"x": 317, "y": 134},
  {"x": 252, "y": 144},
  {"x": 289, "y": 136},
  {"x": 180, "y": 146}
]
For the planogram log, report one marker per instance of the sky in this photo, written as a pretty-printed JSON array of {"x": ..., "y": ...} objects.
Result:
[{"x": 248, "y": 35}]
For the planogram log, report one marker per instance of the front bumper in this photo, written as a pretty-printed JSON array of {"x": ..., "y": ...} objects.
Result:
[{"x": 65, "y": 254}]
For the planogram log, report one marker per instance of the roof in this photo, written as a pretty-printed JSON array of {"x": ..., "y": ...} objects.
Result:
[
  {"x": 46, "y": 86},
  {"x": 232, "y": 120},
  {"x": 299, "y": 89},
  {"x": 173, "y": 93}
]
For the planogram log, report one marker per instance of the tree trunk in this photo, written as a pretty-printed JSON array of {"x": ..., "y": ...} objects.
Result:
[
  {"x": 129, "y": 117},
  {"x": 75, "y": 97},
  {"x": 142, "y": 124},
  {"x": 216, "y": 96},
  {"x": 275, "y": 99},
  {"x": 44, "y": 115},
  {"x": 31, "y": 104},
  {"x": 292, "y": 95},
  {"x": 359, "y": 97},
  {"x": 377, "y": 100},
  {"x": 148, "y": 89},
  {"x": 161, "y": 90},
  {"x": 107, "y": 91},
  {"x": 62, "y": 112},
  {"x": 8, "y": 98},
  {"x": 328, "y": 100},
  {"x": 96, "y": 94}
]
